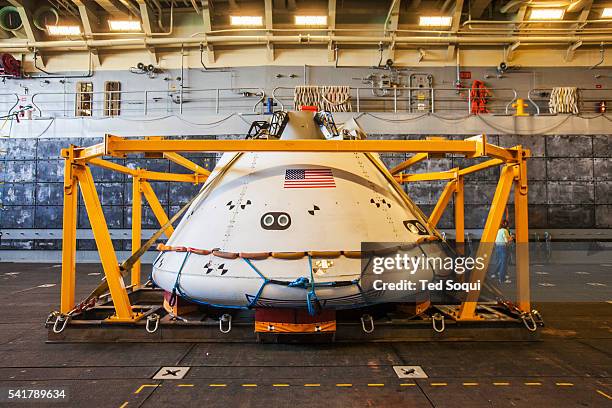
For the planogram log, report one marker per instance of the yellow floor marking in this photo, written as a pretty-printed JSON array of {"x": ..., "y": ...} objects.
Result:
[
  {"x": 312, "y": 385},
  {"x": 217, "y": 385},
  {"x": 376, "y": 385},
  {"x": 604, "y": 394},
  {"x": 185, "y": 385},
  {"x": 565, "y": 384},
  {"x": 407, "y": 385},
  {"x": 533, "y": 383},
  {"x": 468, "y": 384},
  {"x": 438, "y": 384},
  {"x": 501, "y": 383},
  {"x": 125, "y": 404},
  {"x": 249, "y": 385},
  {"x": 344, "y": 385},
  {"x": 280, "y": 385},
  {"x": 143, "y": 386}
]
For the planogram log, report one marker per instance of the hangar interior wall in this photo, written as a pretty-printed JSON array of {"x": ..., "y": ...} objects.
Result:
[
  {"x": 570, "y": 172},
  {"x": 570, "y": 186}
]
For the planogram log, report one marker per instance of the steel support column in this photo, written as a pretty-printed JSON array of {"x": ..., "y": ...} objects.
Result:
[
  {"x": 121, "y": 302},
  {"x": 71, "y": 191},
  {"x": 521, "y": 211},
  {"x": 136, "y": 227},
  {"x": 459, "y": 216}
]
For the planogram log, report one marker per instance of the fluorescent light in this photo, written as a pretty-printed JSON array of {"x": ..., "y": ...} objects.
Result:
[
  {"x": 63, "y": 30},
  {"x": 547, "y": 14},
  {"x": 606, "y": 13},
  {"x": 435, "y": 21},
  {"x": 311, "y": 20},
  {"x": 124, "y": 25},
  {"x": 246, "y": 20}
]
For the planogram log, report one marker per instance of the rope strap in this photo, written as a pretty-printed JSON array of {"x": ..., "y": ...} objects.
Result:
[{"x": 296, "y": 254}]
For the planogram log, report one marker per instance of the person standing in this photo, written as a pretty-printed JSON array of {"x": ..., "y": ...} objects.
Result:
[{"x": 502, "y": 244}]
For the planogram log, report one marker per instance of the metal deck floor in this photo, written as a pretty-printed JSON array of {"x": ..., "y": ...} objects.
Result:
[{"x": 570, "y": 366}]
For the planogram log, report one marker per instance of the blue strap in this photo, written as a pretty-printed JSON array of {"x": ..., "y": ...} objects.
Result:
[
  {"x": 301, "y": 282},
  {"x": 176, "y": 287},
  {"x": 255, "y": 299},
  {"x": 248, "y": 261},
  {"x": 311, "y": 296}
]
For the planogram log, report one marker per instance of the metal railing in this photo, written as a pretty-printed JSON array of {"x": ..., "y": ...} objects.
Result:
[
  {"x": 588, "y": 99},
  {"x": 254, "y": 100},
  {"x": 411, "y": 100},
  {"x": 8, "y": 102},
  {"x": 158, "y": 102}
]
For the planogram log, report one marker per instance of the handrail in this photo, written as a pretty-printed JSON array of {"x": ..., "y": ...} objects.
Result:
[
  {"x": 394, "y": 94},
  {"x": 172, "y": 94},
  {"x": 386, "y": 99},
  {"x": 13, "y": 94},
  {"x": 16, "y": 96}
]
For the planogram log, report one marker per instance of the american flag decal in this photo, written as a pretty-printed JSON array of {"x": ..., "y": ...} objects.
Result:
[{"x": 309, "y": 178}]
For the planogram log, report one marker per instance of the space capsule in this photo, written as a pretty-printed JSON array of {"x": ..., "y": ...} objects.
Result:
[{"x": 287, "y": 229}]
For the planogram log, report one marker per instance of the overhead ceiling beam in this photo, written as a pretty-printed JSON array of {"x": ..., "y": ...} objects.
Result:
[
  {"x": 450, "y": 52},
  {"x": 520, "y": 16},
  {"x": 208, "y": 23},
  {"x": 87, "y": 17},
  {"x": 113, "y": 7},
  {"x": 392, "y": 16},
  {"x": 477, "y": 7},
  {"x": 194, "y": 3},
  {"x": 331, "y": 26},
  {"x": 391, "y": 24},
  {"x": 26, "y": 9},
  {"x": 513, "y": 5},
  {"x": 331, "y": 14},
  {"x": 582, "y": 18},
  {"x": 579, "y": 5},
  {"x": 128, "y": 4},
  {"x": 269, "y": 26},
  {"x": 145, "y": 16}
]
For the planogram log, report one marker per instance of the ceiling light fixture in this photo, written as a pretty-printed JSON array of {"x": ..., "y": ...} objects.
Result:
[
  {"x": 311, "y": 20},
  {"x": 246, "y": 20},
  {"x": 66, "y": 30},
  {"x": 124, "y": 25},
  {"x": 435, "y": 21},
  {"x": 547, "y": 14}
]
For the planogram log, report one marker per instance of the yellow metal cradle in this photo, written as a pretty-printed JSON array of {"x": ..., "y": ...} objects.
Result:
[{"x": 78, "y": 176}]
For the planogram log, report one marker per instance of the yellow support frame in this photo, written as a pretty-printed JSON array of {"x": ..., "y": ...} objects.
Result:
[
  {"x": 443, "y": 201},
  {"x": 78, "y": 175},
  {"x": 136, "y": 227},
  {"x": 123, "y": 309},
  {"x": 71, "y": 191}
]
